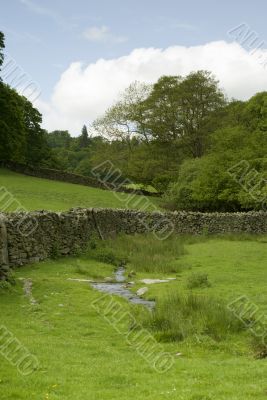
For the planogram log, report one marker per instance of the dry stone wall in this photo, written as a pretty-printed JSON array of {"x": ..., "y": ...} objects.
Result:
[{"x": 35, "y": 236}]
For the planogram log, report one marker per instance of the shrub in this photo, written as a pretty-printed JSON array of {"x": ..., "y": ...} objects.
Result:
[
  {"x": 198, "y": 280},
  {"x": 203, "y": 184},
  {"x": 178, "y": 316}
]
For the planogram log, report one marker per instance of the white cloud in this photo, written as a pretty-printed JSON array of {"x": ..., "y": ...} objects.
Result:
[
  {"x": 102, "y": 34},
  {"x": 85, "y": 91}
]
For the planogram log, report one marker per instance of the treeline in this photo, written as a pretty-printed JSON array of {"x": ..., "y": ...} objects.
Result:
[
  {"x": 185, "y": 138},
  {"x": 181, "y": 136}
]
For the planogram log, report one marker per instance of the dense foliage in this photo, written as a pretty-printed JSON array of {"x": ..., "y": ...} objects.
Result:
[
  {"x": 179, "y": 135},
  {"x": 232, "y": 173}
]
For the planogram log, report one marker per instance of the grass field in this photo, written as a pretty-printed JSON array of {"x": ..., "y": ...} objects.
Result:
[
  {"x": 39, "y": 194},
  {"x": 83, "y": 357}
]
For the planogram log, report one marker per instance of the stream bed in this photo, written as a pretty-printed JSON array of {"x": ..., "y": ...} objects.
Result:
[{"x": 119, "y": 288}]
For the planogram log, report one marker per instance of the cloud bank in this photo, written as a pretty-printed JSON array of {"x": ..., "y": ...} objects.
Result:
[{"x": 84, "y": 92}]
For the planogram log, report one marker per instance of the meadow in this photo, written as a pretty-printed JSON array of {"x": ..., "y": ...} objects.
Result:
[
  {"x": 82, "y": 356},
  {"x": 43, "y": 194}
]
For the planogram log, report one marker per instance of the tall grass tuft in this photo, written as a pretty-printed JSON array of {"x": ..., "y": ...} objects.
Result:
[
  {"x": 179, "y": 316},
  {"x": 198, "y": 280},
  {"x": 143, "y": 252}
]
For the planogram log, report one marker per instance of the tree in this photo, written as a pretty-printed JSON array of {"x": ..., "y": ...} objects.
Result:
[
  {"x": 126, "y": 118},
  {"x": 204, "y": 184},
  {"x": 180, "y": 109},
  {"x": 173, "y": 110},
  {"x": 254, "y": 115},
  {"x": 58, "y": 139},
  {"x": 156, "y": 164},
  {"x": 37, "y": 150},
  {"x": 232, "y": 176},
  {"x": 84, "y": 167},
  {"x": 84, "y": 138},
  {"x": 162, "y": 109},
  {"x": 200, "y": 98},
  {"x": 21, "y": 137},
  {"x": 12, "y": 129}
]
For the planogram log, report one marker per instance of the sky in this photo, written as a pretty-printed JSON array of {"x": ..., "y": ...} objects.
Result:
[{"x": 73, "y": 59}]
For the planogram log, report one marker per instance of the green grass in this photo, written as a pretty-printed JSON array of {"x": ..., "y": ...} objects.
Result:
[
  {"x": 82, "y": 356},
  {"x": 43, "y": 194},
  {"x": 178, "y": 316},
  {"x": 141, "y": 252},
  {"x": 196, "y": 306}
]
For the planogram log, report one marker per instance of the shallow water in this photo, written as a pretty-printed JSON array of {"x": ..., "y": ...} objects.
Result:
[{"x": 119, "y": 288}]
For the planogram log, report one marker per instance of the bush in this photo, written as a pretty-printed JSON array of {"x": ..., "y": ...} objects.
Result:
[
  {"x": 203, "y": 184},
  {"x": 178, "y": 316},
  {"x": 198, "y": 280}
]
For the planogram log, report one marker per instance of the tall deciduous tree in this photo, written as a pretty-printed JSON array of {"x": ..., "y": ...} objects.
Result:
[
  {"x": 200, "y": 98},
  {"x": 37, "y": 150},
  {"x": 180, "y": 109},
  {"x": 162, "y": 109},
  {"x": 12, "y": 129},
  {"x": 126, "y": 118}
]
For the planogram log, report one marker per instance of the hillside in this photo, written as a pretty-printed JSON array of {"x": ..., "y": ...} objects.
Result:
[{"x": 38, "y": 194}]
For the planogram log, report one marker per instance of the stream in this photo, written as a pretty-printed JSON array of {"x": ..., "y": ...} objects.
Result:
[{"x": 119, "y": 288}]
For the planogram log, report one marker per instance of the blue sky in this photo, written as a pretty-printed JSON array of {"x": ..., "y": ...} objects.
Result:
[{"x": 47, "y": 37}]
